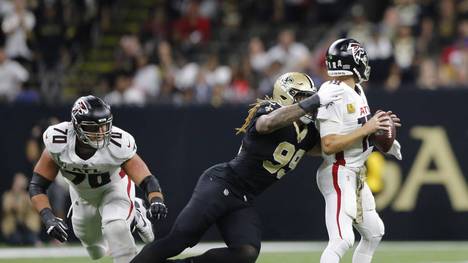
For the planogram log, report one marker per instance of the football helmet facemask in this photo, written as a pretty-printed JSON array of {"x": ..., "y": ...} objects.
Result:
[
  {"x": 347, "y": 57},
  {"x": 92, "y": 121},
  {"x": 293, "y": 87}
]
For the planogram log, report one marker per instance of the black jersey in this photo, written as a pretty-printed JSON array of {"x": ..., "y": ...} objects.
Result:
[{"x": 265, "y": 158}]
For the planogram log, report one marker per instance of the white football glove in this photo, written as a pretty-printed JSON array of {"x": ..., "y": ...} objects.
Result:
[
  {"x": 330, "y": 94},
  {"x": 395, "y": 150}
]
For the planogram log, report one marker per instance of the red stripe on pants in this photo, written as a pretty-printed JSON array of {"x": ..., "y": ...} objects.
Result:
[
  {"x": 339, "y": 161},
  {"x": 129, "y": 188}
]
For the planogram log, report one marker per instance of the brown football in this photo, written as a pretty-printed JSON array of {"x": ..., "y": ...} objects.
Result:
[{"x": 383, "y": 140}]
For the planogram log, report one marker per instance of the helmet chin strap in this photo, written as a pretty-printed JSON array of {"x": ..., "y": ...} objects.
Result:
[{"x": 358, "y": 75}]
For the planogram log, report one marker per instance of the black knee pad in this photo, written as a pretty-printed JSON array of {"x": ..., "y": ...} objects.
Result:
[{"x": 247, "y": 253}]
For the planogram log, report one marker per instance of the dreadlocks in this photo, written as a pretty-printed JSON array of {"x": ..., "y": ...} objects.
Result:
[{"x": 252, "y": 111}]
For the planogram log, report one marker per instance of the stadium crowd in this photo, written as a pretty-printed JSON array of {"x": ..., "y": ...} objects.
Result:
[{"x": 215, "y": 52}]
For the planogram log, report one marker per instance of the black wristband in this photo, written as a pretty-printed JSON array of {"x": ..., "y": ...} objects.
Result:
[
  {"x": 310, "y": 104},
  {"x": 46, "y": 214},
  {"x": 38, "y": 185},
  {"x": 150, "y": 184}
]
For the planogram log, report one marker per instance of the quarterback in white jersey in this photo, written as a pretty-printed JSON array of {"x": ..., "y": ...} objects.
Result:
[
  {"x": 345, "y": 128},
  {"x": 100, "y": 163}
]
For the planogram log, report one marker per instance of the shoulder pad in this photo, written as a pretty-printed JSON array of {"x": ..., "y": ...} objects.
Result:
[
  {"x": 122, "y": 144},
  {"x": 56, "y": 137},
  {"x": 331, "y": 83}
]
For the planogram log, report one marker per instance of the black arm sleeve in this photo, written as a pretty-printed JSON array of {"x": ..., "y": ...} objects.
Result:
[
  {"x": 150, "y": 184},
  {"x": 38, "y": 185},
  {"x": 310, "y": 104}
]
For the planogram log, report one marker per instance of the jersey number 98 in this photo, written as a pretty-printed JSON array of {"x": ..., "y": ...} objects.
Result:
[{"x": 284, "y": 155}]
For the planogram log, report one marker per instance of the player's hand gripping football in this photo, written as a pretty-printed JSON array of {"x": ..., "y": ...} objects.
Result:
[
  {"x": 55, "y": 226},
  {"x": 157, "y": 209},
  {"x": 395, "y": 118},
  {"x": 380, "y": 121},
  {"x": 330, "y": 94}
]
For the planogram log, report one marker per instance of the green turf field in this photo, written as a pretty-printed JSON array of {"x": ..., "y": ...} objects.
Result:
[{"x": 388, "y": 256}]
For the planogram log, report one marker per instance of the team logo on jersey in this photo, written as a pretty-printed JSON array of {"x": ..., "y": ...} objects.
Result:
[
  {"x": 359, "y": 54},
  {"x": 350, "y": 107},
  {"x": 80, "y": 108}
]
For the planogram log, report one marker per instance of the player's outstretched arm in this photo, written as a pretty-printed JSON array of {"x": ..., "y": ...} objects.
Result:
[
  {"x": 334, "y": 143},
  {"x": 138, "y": 171},
  {"x": 44, "y": 174},
  {"x": 279, "y": 118},
  {"x": 285, "y": 116}
]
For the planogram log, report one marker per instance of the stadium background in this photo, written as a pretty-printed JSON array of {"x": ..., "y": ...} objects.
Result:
[{"x": 180, "y": 75}]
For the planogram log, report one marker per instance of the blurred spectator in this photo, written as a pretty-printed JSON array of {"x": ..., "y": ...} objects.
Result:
[
  {"x": 390, "y": 22},
  {"x": 427, "y": 42},
  {"x": 293, "y": 55},
  {"x": 408, "y": 12},
  {"x": 50, "y": 38},
  {"x": 428, "y": 75},
  {"x": 393, "y": 81},
  {"x": 147, "y": 78},
  {"x": 455, "y": 58},
  {"x": 447, "y": 22},
  {"x": 209, "y": 9},
  {"x": 259, "y": 59},
  {"x": 405, "y": 52},
  {"x": 17, "y": 26},
  {"x": 240, "y": 85},
  {"x": 360, "y": 28},
  {"x": 20, "y": 222},
  {"x": 156, "y": 27},
  {"x": 185, "y": 81},
  {"x": 216, "y": 77},
  {"x": 232, "y": 18},
  {"x": 6, "y": 7},
  {"x": 13, "y": 75},
  {"x": 127, "y": 53},
  {"x": 266, "y": 83},
  {"x": 192, "y": 29},
  {"x": 379, "y": 49},
  {"x": 124, "y": 93}
]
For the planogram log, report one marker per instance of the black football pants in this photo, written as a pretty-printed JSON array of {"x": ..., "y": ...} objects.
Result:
[{"x": 212, "y": 202}]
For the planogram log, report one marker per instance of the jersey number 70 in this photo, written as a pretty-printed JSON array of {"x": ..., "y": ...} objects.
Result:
[{"x": 284, "y": 154}]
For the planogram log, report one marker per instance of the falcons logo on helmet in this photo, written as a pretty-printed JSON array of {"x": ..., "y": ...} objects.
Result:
[
  {"x": 359, "y": 54},
  {"x": 80, "y": 108}
]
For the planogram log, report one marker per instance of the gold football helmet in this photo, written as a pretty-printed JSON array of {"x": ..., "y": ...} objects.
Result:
[{"x": 291, "y": 87}]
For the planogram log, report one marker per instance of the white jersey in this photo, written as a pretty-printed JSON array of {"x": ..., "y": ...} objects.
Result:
[
  {"x": 343, "y": 117},
  {"x": 98, "y": 173}
]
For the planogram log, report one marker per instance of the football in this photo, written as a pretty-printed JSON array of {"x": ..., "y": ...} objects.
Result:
[{"x": 383, "y": 140}]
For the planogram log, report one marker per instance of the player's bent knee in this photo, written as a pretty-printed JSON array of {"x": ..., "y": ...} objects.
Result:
[
  {"x": 96, "y": 252},
  {"x": 184, "y": 237},
  {"x": 119, "y": 238},
  {"x": 248, "y": 253},
  {"x": 340, "y": 246}
]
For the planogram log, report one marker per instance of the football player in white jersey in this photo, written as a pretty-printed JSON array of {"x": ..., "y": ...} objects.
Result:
[
  {"x": 100, "y": 164},
  {"x": 345, "y": 128}
]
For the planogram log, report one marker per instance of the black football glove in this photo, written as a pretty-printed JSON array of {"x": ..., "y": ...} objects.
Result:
[
  {"x": 55, "y": 226},
  {"x": 157, "y": 209}
]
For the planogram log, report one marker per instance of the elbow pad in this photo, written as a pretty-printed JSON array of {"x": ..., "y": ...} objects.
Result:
[
  {"x": 150, "y": 184},
  {"x": 38, "y": 185}
]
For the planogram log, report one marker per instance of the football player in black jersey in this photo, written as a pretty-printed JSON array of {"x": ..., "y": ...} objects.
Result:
[{"x": 278, "y": 132}]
